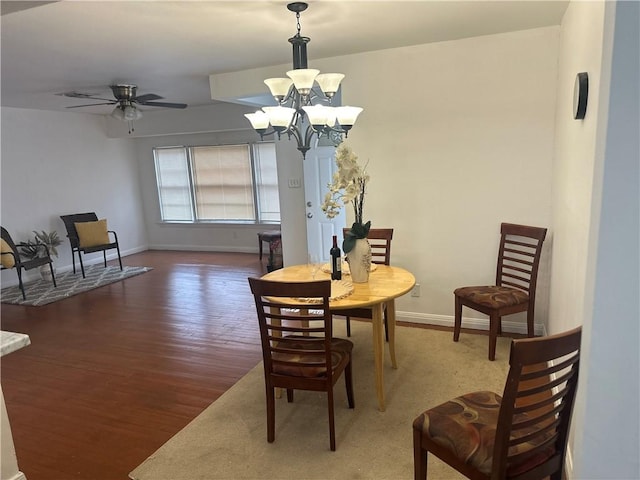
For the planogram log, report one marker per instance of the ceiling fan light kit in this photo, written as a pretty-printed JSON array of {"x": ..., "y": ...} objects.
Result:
[{"x": 299, "y": 102}]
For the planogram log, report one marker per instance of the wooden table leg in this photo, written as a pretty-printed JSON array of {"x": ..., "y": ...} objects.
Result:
[
  {"x": 378, "y": 352},
  {"x": 391, "y": 329}
]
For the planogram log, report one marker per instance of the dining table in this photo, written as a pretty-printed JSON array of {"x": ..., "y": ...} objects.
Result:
[{"x": 385, "y": 284}]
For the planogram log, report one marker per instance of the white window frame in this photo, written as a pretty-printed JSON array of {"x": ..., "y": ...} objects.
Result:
[{"x": 257, "y": 189}]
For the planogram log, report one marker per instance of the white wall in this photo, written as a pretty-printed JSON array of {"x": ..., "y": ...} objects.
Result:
[
  {"x": 607, "y": 415},
  {"x": 56, "y": 163},
  {"x": 458, "y": 140},
  {"x": 573, "y": 169}
]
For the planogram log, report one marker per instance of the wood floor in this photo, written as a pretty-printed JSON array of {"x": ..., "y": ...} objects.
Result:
[{"x": 113, "y": 373}]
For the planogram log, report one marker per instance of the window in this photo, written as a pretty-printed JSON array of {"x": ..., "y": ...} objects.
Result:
[{"x": 227, "y": 183}]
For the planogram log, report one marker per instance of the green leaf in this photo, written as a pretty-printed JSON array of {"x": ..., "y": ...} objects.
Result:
[
  {"x": 358, "y": 230},
  {"x": 348, "y": 243}
]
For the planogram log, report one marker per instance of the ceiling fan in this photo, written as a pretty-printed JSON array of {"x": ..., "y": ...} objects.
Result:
[
  {"x": 123, "y": 95},
  {"x": 126, "y": 101}
]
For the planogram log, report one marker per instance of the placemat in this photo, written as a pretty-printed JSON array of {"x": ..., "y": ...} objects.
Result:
[
  {"x": 326, "y": 268},
  {"x": 339, "y": 289}
]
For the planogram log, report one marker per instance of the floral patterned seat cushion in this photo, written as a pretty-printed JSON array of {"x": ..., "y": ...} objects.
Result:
[
  {"x": 493, "y": 296},
  {"x": 466, "y": 426},
  {"x": 340, "y": 352}
]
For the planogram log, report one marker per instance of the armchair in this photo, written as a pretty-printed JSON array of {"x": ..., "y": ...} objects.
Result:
[
  {"x": 87, "y": 234},
  {"x": 11, "y": 258}
]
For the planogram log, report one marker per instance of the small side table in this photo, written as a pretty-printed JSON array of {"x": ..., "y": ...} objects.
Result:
[{"x": 269, "y": 237}]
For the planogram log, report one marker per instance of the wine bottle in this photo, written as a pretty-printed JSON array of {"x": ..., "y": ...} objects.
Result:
[{"x": 336, "y": 260}]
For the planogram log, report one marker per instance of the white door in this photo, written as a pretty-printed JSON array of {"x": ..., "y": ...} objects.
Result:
[{"x": 319, "y": 166}]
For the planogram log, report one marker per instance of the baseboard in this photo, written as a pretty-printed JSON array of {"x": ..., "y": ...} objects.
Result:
[
  {"x": 568, "y": 464},
  {"x": 206, "y": 248},
  {"x": 467, "y": 322}
]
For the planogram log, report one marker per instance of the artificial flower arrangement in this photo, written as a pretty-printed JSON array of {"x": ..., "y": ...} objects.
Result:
[{"x": 348, "y": 185}]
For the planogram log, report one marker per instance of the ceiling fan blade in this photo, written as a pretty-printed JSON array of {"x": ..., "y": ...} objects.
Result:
[
  {"x": 92, "y": 104},
  {"x": 147, "y": 97},
  {"x": 83, "y": 95},
  {"x": 165, "y": 104}
]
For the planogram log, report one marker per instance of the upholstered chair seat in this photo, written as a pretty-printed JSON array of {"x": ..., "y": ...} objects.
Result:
[
  {"x": 493, "y": 296},
  {"x": 467, "y": 426}
]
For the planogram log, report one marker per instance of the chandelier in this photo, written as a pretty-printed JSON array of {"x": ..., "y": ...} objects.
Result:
[{"x": 304, "y": 110}]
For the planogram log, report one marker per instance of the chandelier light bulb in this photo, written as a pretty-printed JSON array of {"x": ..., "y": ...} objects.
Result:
[
  {"x": 347, "y": 116},
  {"x": 279, "y": 87},
  {"x": 329, "y": 83},
  {"x": 303, "y": 79},
  {"x": 317, "y": 114},
  {"x": 279, "y": 117},
  {"x": 259, "y": 120}
]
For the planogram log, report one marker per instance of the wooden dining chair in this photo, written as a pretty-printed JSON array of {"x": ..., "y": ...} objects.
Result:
[
  {"x": 516, "y": 280},
  {"x": 380, "y": 241},
  {"x": 521, "y": 435},
  {"x": 297, "y": 354}
]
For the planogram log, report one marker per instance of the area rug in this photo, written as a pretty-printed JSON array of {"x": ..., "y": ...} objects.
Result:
[
  {"x": 229, "y": 439},
  {"x": 42, "y": 292}
]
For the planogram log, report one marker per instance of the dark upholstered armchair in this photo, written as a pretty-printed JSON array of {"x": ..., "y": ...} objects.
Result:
[
  {"x": 87, "y": 234},
  {"x": 11, "y": 258}
]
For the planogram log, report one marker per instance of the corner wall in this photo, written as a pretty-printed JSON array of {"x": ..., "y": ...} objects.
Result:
[{"x": 605, "y": 38}]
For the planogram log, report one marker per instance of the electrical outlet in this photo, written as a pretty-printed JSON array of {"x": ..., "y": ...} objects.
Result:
[
  {"x": 415, "y": 291},
  {"x": 295, "y": 183}
]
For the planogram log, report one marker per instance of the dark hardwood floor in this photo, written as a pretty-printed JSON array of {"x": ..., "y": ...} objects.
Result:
[{"x": 113, "y": 373}]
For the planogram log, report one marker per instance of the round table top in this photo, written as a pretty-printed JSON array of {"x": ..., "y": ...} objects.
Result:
[{"x": 385, "y": 283}]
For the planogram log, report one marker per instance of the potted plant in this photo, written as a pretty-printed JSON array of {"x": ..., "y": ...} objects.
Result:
[{"x": 33, "y": 248}]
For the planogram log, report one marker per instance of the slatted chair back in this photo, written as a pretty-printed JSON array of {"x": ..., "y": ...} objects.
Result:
[
  {"x": 537, "y": 404},
  {"x": 519, "y": 257},
  {"x": 380, "y": 241},
  {"x": 298, "y": 348}
]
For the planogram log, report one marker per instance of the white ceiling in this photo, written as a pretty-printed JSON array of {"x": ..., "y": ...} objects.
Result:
[{"x": 170, "y": 48}]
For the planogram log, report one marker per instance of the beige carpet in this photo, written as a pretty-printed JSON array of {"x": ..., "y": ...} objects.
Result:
[{"x": 228, "y": 440}]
